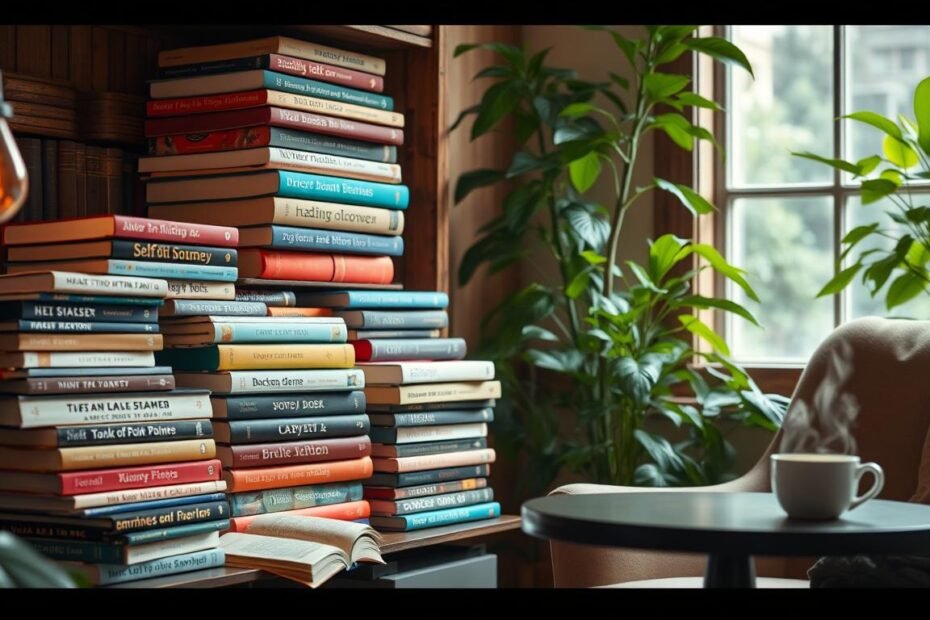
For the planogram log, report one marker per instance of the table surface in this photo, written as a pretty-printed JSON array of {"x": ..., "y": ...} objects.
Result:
[
  {"x": 725, "y": 523},
  {"x": 393, "y": 543}
]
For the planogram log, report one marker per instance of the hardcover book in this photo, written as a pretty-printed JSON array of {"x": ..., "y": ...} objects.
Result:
[
  {"x": 375, "y": 300},
  {"x": 290, "y": 429},
  {"x": 394, "y": 319},
  {"x": 118, "y": 499},
  {"x": 320, "y": 240},
  {"x": 435, "y": 518},
  {"x": 287, "y": 405},
  {"x": 388, "y": 349},
  {"x": 85, "y": 457},
  {"x": 433, "y": 502},
  {"x": 38, "y": 386},
  {"x": 106, "y": 434},
  {"x": 433, "y": 418},
  {"x": 293, "y": 498},
  {"x": 294, "y": 452},
  {"x": 107, "y": 574},
  {"x": 119, "y": 226},
  {"x": 310, "y": 267},
  {"x": 432, "y": 392},
  {"x": 134, "y": 268},
  {"x": 122, "y": 554},
  {"x": 78, "y": 311},
  {"x": 255, "y": 356},
  {"x": 125, "y": 249},
  {"x": 276, "y": 381},
  {"x": 81, "y": 283},
  {"x": 403, "y": 373}
]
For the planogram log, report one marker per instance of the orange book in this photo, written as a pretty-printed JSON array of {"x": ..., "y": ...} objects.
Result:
[
  {"x": 284, "y": 311},
  {"x": 311, "y": 267},
  {"x": 297, "y": 475},
  {"x": 81, "y": 342},
  {"x": 347, "y": 511}
]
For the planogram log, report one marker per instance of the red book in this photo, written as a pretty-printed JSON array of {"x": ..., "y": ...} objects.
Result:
[
  {"x": 119, "y": 226},
  {"x": 347, "y": 511},
  {"x": 294, "y": 452},
  {"x": 102, "y": 480},
  {"x": 278, "y": 117},
  {"x": 311, "y": 267}
]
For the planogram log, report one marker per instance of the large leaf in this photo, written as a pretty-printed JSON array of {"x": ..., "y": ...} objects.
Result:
[
  {"x": 576, "y": 110},
  {"x": 578, "y": 284},
  {"x": 474, "y": 179},
  {"x": 693, "y": 201},
  {"x": 585, "y": 171},
  {"x": 899, "y": 153},
  {"x": 856, "y": 235},
  {"x": 702, "y": 330},
  {"x": 497, "y": 102},
  {"x": 698, "y": 301},
  {"x": 697, "y": 101},
  {"x": 637, "y": 378},
  {"x": 874, "y": 190},
  {"x": 840, "y": 164},
  {"x": 588, "y": 223},
  {"x": 879, "y": 122},
  {"x": 643, "y": 277},
  {"x": 566, "y": 361},
  {"x": 840, "y": 280},
  {"x": 629, "y": 47},
  {"x": 720, "y": 49},
  {"x": 531, "y": 332},
  {"x": 662, "y": 253},
  {"x": 720, "y": 265},
  {"x": 905, "y": 287},
  {"x": 659, "y": 450},
  {"x": 662, "y": 85},
  {"x": 922, "y": 114},
  {"x": 463, "y": 114}
]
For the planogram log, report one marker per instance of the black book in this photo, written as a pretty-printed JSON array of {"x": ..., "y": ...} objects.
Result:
[
  {"x": 462, "y": 404},
  {"x": 288, "y": 405},
  {"x": 432, "y": 418},
  {"x": 428, "y": 476},
  {"x": 290, "y": 429}
]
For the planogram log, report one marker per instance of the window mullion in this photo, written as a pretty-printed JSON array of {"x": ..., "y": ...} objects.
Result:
[{"x": 839, "y": 215}]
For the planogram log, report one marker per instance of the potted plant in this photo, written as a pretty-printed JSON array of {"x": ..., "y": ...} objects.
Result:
[{"x": 608, "y": 344}]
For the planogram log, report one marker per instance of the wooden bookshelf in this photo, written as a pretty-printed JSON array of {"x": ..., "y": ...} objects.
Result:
[{"x": 394, "y": 542}]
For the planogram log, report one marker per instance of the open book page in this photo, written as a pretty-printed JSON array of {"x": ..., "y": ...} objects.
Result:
[
  {"x": 359, "y": 542},
  {"x": 310, "y": 563}
]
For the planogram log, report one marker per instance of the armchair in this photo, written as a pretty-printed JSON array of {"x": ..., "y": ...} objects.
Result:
[{"x": 890, "y": 379}]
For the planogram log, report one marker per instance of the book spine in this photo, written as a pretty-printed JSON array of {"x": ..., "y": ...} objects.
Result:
[
  {"x": 218, "y": 66},
  {"x": 113, "y": 408},
  {"x": 429, "y": 476},
  {"x": 122, "y": 455},
  {"x": 269, "y": 298},
  {"x": 439, "y": 502},
  {"x": 134, "y": 433},
  {"x": 107, "y": 359},
  {"x": 89, "y": 312},
  {"x": 239, "y": 332},
  {"x": 459, "y": 405},
  {"x": 442, "y": 517},
  {"x": 172, "y": 270},
  {"x": 103, "y": 300},
  {"x": 330, "y": 55},
  {"x": 120, "y": 499},
  {"x": 192, "y": 289},
  {"x": 297, "y": 475},
  {"x": 335, "y": 126},
  {"x": 331, "y": 145},
  {"x": 76, "y": 385},
  {"x": 429, "y": 447},
  {"x": 434, "y": 461},
  {"x": 323, "y": 163},
  {"x": 29, "y": 325},
  {"x": 293, "y": 498},
  {"x": 171, "y": 253},
  {"x": 439, "y": 488},
  {"x": 291, "y": 429},
  {"x": 176, "y": 232},
  {"x": 210, "y": 141},
  {"x": 285, "y": 83},
  {"x": 88, "y": 342},
  {"x": 377, "y": 334},
  {"x": 300, "y": 312},
  {"x": 208, "y": 103},
  {"x": 107, "y": 574},
  {"x": 97, "y": 372},
  {"x": 434, "y": 392},
  {"x": 76, "y": 550},
  {"x": 100, "y": 481},
  {"x": 432, "y": 418},
  {"x": 169, "y": 516},
  {"x": 332, "y": 189},
  {"x": 179, "y": 500},
  {"x": 217, "y": 308},
  {"x": 326, "y": 72},
  {"x": 30, "y": 528},
  {"x": 334, "y": 216},
  {"x": 441, "y": 373},
  {"x": 374, "y": 319},
  {"x": 295, "y": 452},
  {"x": 288, "y": 405},
  {"x": 396, "y": 350},
  {"x": 346, "y": 511},
  {"x": 178, "y": 531},
  {"x": 288, "y": 381},
  {"x": 383, "y": 299},
  {"x": 258, "y": 356},
  {"x": 83, "y": 283},
  {"x": 280, "y": 265},
  {"x": 287, "y": 238}
]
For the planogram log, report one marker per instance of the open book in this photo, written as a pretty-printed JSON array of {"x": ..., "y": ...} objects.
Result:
[{"x": 306, "y": 549}]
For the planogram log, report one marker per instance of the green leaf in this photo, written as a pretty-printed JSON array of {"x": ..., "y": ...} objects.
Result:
[
  {"x": 698, "y": 301},
  {"x": 498, "y": 101},
  {"x": 464, "y": 47},
  {"x": 868, "y": 164},
  {"x": 635, "y": 378},
  {"x": 895, "y": 176},
  {"x": 535, "y": 332},
  {"x": 619, "y": 80},
  {"x": 879, "y": 122},
  {"x": 593, "y": 258},
  {"x": 840, "y": 280},
  {"x": 675, "y": 33},
  {"x": 702, "y": 330},
  {"x": 659, "y": 450},
  {"x": 464, "y": 113},
  {"x": 585, "y": 171},
  {"x": 922, "y": 114},
  {"x": 536, "y": 61},
  {"x": 840, "y": 164},
  {"x": 670, "y": 53},
  {"x": 662, "y": 253},
  {"x": 905, "y": 287},
  {"x": 899, "y": 153},
  {"x": 629, "y": 47},
  {"x": 857, "y": 234},
  {"x": 874, "y": 190},
  {"x": 575, "y": 110},
  {"x": 678, "y": 135},
  {"x": 578, "y": 284},
  {"x": 494, "y": 71},
  {"x": 720, "y": 49},
  {"x": 697, "y": 101},
  {"x": 662, "y": 85},
  {"x": 522, "y": 163},
  {"x": 719, "y": 264},
  {"x": 588, "y": 224},
  {"x": 474, "y": 179},
  {"x": 693, "y": 201},
  {"x": 643, "y": 277},
  {"x": 553, "y": 359}
]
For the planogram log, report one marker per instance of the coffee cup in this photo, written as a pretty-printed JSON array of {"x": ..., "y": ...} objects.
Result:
[{"x": 821, "y": 486}]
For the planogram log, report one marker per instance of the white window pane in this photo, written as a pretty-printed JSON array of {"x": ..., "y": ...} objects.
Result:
[
  {"x": 787, "y": 107},
  {"x": 786, "y": 245},
  {"x": 883, "y": 66},
  {"x": 859, "y": 301}
]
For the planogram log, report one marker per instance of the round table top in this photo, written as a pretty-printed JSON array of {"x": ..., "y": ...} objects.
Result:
[{"x": 725, "y": 523}]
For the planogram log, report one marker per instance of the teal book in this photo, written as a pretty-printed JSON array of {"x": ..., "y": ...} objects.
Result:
[
  {"x": 93, "y": 299},
  {"x": 436, "y": 518},
  {"x": 145, "y": 269},
  {"x": 106, "y": 574},
  {"x": 293, "y": 498},
  {"x": 178, "y": 531},
  {"x": 281, "y": 331},
  {"x": 335, "y": 189},
  {"x": 324, "y": 90},
  {"x": 431, "y": 300}
]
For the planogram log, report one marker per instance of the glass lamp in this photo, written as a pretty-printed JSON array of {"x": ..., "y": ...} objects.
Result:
[{"x": 14, "y": 181}]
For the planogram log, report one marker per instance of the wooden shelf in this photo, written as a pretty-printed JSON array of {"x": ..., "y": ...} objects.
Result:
[
  {"x": 369, "y": 38},
  {"x": 393, "y": 543}
]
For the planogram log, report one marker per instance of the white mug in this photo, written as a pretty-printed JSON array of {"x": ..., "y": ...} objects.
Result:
[{"x": 821, "y": 486}]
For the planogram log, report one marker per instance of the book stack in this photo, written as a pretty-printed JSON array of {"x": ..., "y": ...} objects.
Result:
[
  {"x": 290, "y": 141},
  {"x": 104, "y": 463},
  {"x": 429, "y": 409}
]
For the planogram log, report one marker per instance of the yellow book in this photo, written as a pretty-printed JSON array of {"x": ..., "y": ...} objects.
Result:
[
  {"x": 432, "y": 392},
  {"x": 259, "y": 357}
]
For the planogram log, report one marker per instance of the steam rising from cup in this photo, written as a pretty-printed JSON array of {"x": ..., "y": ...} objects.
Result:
[{"x": 825, "y": 425}]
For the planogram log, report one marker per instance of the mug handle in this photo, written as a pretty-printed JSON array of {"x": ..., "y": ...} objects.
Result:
[{"x": 876, "y": 471}]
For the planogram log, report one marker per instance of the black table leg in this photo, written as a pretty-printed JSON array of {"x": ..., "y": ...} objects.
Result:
[{"x": 730, "y": 571}]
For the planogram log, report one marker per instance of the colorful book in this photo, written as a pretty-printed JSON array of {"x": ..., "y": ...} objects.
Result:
[
  {"x": 109, "y": 499},
  {"x": 432, "y": 392},
  {"x": 108, "y": 574},
  {"x": 151, "y": 504},
  {"x": 120, "y": 455},
  {"x": 279, "y": 329},
  {"x": 429, "y": 476},
  {"x": 394, "y": 319},
  {"x": 347, "y": 511},
  {"x": 276, "y": 381},
  {"x": 416, "y": 434},
  {"x": 290, "y": 429},
  {"x": 320, "y": 240},
  {"x": 459, "y": 405},
  {"x": 294, "y": 452},
  {"x": 276, "y": 299},
  {"x": 433, "y": 461},
  {"x": 300, "y": 312},
  {"x": 77, "y": 311},
  {"x": 78, "y": 342},
  {"x": 388, "y": 350},
  {"x": 287, "y": 405},
  {"x": 167, "y": 533},
  {"x": 86, "y": 371},
  {"x": 403, "y": 373},
  {"x": 280, "y": 183},
  {"x": 293, "y": 498},
  {"x": 310, "y": 267},
  {"x": 80, "y": 283},
  {"x": 106, "y": 434},
  {"x": 194, "y": 289},
  {"x": 125, "y": 249},
  {"x": 433, "y": 418},
  {"x": 394, "y": 493},
  {"x": 118, "y": 226},
  {"x": 258, "y": 478},
  {"x": 145, "y": 269},
  {"x": 261, "y": 78},
  {"x": 147, "y": 303},
  {"x": 435, "y": 518},
  {"x": 375, "y": 300},
  {"x": 378, "y": 334},
  {"x": 190, "y": 307},
  {"x": 257, "y": 356},
  {"x": 384, "y": 508}
]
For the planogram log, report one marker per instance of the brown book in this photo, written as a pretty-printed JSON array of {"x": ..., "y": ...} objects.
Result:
[
  {"x": 87, "y": 385},
  {"x": 113, "y": 180},
  {"x": 432, "y": 392},
  {"x": 81, "y": 342},
  {"x": 293, "y": 452},
  {"x": 67, "y": 179},
  {"x": 92, "y": 457},
  {"x": 50, "y": 208},
  {"x": 420, "y": 31}
]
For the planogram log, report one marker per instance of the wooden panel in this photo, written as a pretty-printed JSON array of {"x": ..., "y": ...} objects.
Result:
[
  {"x": 8, "y": 48},
  {"x": 135, "y": 69},
  {"x": 82, "y": 49},
  {"x": 100, "y": 65},
  {"x": 34, "y": 50},
  {"x": 116, "y": 51},
  {"x": 61, "y": 52}
]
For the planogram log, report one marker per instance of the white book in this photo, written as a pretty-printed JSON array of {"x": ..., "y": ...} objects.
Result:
[
  {"x": 78, "y": 359},
  {"x": 72, "y": 503},
  {"x": 272, "y": 381},
  {"x": 81, "y": 283},
  {"x": 403, "y": 373},
  {"x": 195, "y": 289}
]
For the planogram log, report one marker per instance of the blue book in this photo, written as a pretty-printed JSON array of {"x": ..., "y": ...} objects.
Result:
[
  {"x": 105, "y": 574},
  {"x": 394, "y": 319},
  {"x": 435, "y": 518},
  {"x": 178, "y": 531},
  {"x": 258, "y": 79},
  {"x": 94, "y": 372},
  {"x": 279, "y": 331},
  {"x": 155, "y": 503},
  {"x": 145, "y": 269},
  {"x": 93, "y": 299},
  {"x": 319, "y": 240},
  {"x": 334, "y": 189},
  {"x": 293, "y": 498},
  {"x": 79, "y": 327},
  {"x": 374, "y": 299},
  {"x": 79, "y": 311}
]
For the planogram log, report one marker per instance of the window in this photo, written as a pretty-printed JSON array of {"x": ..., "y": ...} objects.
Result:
[{"x": 782, "y": 216}]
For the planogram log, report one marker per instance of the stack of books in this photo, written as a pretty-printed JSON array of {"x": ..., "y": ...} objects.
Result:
[
  {"x": 289, "y": 140},
  {"x": 104, "y": 463},
  {"x": 429, "y": 409}
]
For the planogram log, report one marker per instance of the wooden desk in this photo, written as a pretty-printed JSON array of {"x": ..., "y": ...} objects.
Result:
[{"x": 393, "y": 542}]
